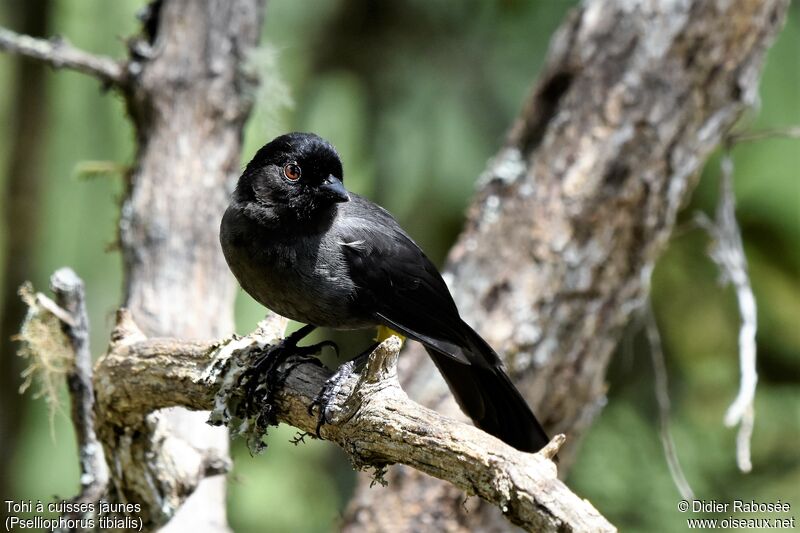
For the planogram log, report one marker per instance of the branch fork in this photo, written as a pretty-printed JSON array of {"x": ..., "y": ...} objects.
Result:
[{"x": 375, "y": 423}]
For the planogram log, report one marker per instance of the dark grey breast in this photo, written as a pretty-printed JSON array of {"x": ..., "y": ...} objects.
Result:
[{"x": 302, "y": 276}]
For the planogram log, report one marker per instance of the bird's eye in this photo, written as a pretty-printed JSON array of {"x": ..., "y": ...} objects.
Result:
[{"x": 291, "y": 171}]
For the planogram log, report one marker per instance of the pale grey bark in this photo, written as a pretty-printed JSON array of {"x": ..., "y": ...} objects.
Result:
[
  {"x": 374, "y": 421},
  {"x": 71, "y": 297},
  {"x": 574, "y": 210},
  {"x": 188, "y": 97},
  {"x": 557, "y": 254}
]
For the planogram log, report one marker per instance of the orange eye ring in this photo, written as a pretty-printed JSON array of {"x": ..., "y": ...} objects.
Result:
[{"x": 292, "y": 172}]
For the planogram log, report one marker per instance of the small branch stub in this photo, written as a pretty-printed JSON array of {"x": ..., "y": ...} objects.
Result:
[{"x": 555, "y": 444}]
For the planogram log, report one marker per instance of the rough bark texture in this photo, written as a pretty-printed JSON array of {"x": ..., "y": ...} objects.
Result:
[
  {"x": 574, "y": 210},
  {"x": 558, "y": 251},
  {"x": 375, "y": 423},
  {"x": 187, "y": 96},
  {"x": 71, "y": 298},
  {"x": 372, "y": 418}
]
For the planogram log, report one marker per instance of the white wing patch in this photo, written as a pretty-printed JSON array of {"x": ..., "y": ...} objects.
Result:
[{"x": 356, "y": 245}]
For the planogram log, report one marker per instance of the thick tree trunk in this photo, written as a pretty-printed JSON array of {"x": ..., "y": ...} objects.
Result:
[
  {"x": 557, "y": 253},
  {"x": 573, "y": 212},
  {"x": 188, "y": 102},
  {"x": 188, "y": 96}
]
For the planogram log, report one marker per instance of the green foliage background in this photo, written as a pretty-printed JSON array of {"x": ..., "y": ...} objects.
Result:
[{"x": 417, "y": 96}]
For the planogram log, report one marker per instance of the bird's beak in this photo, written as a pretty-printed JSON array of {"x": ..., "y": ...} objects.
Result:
[{"x": 333, "y": 188}]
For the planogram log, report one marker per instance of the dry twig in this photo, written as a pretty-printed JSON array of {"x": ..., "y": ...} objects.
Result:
[
  {"x": 727, "y": 252},
  {"x": 70, "y": 297},
  {"x": 59, "y": 53},
  {"x": 664, "y": 407}
]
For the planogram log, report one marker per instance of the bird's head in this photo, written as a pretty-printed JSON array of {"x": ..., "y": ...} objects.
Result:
[{"x": 297, "y": 176}]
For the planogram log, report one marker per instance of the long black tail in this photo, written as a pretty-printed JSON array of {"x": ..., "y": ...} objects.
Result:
[{"x": 485, "y": 394}]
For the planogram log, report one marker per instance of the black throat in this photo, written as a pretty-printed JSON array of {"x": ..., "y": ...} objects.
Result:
[{"x": 285, "y": 222}]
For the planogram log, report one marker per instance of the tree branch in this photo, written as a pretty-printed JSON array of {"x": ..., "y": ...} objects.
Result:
[
  {"x": 727, "y": 251},
  {"x": 375, "y": 422},
  {"x": 70, "y": 297},
  {"x": 788, "y": 132},
  {"x": 58, "y": 53},
  {"x": 572, "y": 214}
]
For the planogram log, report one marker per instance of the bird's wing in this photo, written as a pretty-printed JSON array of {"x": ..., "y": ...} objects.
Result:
[
  {"x": 402, "y": 289},
  {"x": 398, "y": 284}
]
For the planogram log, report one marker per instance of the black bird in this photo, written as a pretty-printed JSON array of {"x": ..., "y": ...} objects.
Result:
[{"x": 306, "y": 248}]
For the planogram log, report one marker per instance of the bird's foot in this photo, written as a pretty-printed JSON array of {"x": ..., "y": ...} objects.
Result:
[
  {"x": 325, "y": 400},
  {"x": 269, "y": 372}
]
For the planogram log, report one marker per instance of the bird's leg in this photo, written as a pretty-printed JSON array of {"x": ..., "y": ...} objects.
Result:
[
  {"x": 274, "y": 356},
  {"x": 325, "y": 399},
  {"x": 262, "y": 378}
]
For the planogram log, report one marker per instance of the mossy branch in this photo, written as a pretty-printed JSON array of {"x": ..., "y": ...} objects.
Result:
[{"x": 374, "y": 421}]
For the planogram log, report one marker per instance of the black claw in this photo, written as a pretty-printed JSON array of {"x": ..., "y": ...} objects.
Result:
[
  {"x": 312, "y": 405},
  {"x": 332, "y": 345},
  {"x": 320, "y": 421},
  {"x": 299, "y": 437},
  {"x": 327, "y": 395},
  {"x": 260, "y": 381}
]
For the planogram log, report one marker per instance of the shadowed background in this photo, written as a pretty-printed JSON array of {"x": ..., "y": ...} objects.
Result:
[{"x": 416, "y": 96}]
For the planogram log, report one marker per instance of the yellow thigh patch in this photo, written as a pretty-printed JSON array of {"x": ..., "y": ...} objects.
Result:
[{"x": 384, "y": 333}]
